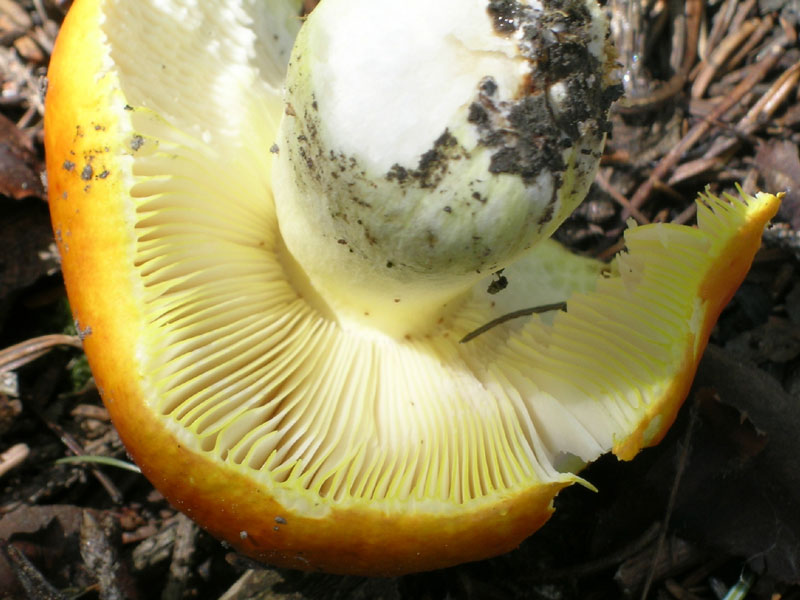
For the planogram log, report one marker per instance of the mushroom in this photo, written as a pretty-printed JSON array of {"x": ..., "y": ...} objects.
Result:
[{"x": 278, "y": 343}]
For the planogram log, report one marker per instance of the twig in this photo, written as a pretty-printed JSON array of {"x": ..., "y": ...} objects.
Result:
[
  {"x": 638, "y": 104},
  {"x": 27, "y": 118},
  {"x": 73, "y": 445},
  {"x": 180, "y": 567},
  {"x": 776, "y": 50},
  {"x": 721, "y": 23},
  {"x": 20, "y": 354},
  {"x": 99, "y": 553},
  {"x": 686, "y": 215},
  {"x": 13, "y": 457},
  {"x": 31, "y": 580},
  {"x": 601, "y": 180},
  {"x": 40, "y": 11},
  {"x": 766, "y": 25},
  {"x": 605, "y": 254},
  {"x": 755, "y": 117},
  {"x": 744, "y": 9},
  {"x": 524, "y": 312},
  {"x": 607, "y": 561},
  {"x": 695, "y": 167},
  {"x": 694, "y": 17},
  {"x": 720, "y": 54}
]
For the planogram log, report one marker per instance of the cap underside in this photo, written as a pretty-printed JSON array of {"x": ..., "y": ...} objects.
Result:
[
  {"x": 245, "y": 366},
  {"x": 242, "y": 361}
]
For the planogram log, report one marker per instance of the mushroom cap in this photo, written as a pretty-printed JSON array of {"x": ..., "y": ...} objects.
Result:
[{"x": 233, "y": 386}]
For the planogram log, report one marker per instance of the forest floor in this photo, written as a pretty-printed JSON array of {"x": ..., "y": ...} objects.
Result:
[{"x": 711, "y": 101}]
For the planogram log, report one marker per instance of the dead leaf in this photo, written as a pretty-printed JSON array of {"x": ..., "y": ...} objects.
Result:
[
  {"x": 740, "y": 487},
  {"x": 34, "y": 583},
  {"x": 309, "y": 5},
  {"x": 777, "y": 340},
  {"x": 99, "y": 541},
  {"x": 678, "y": 555},
  {"x": 19, "y": 165},
  {"x": 27, "y": 250},
  {"x": 49, "y": 537},
  {"x": 747, "y": 507},
  {"x": 779, "y": 164}
]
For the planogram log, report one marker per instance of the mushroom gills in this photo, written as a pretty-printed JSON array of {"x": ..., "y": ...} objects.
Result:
[{"x": 244, "y": 367}]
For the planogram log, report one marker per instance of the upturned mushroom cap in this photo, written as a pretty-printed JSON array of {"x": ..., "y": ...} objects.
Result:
[{"x": 235, "y": 385}]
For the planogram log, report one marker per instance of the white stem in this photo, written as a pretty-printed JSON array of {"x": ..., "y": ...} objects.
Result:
[{"x": 427, "y": 144}]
